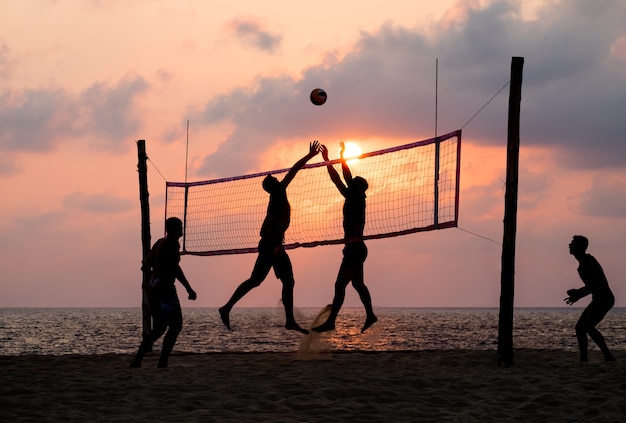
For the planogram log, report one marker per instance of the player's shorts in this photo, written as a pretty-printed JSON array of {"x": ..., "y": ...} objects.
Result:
[
  {"x": 274, "y": 255},
  {"x": 163, "y": 301},
  {"x": 355, "y": 253}
]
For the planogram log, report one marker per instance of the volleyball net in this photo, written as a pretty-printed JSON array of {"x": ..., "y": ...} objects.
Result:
[{"x": 412, "y": 188}]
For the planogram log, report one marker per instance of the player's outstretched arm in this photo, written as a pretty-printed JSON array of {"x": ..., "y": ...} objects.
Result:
[
  {"x": 347, "y": 175},
  {"x": 313, "y": 150},
  {"x": 334, "y": 176}
]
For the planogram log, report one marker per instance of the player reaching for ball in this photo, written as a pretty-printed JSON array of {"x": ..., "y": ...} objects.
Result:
[
  {"x": 272, "y": 253},
  {"x": 355, "y": 251}
]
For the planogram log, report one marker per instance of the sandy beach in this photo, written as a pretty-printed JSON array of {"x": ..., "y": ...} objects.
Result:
[{"x": 416, "y": 386}]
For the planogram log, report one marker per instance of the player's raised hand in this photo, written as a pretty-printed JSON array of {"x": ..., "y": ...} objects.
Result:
[
  {"x": 324, "y": 151},
  {"x": 314, "y": 148}
]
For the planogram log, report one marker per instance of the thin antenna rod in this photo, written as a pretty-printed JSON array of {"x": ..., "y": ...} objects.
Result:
[
  {"x": 436, "y": 92},
  {"x": 186, "y": 193},
  {"x": 187, "y": 151},
  {"x": 437, "y": 151}
]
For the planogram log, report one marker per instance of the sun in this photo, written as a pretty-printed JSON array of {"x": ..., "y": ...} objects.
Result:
[{"x": 352, "y": 151}]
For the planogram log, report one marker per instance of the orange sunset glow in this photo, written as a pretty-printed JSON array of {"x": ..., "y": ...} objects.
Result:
[{"x": 352, "y": 150}]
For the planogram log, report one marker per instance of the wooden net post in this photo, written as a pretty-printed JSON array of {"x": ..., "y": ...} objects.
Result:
[
  {"x": 145, "y": 231},
  {"x": 507, "y": 283}
]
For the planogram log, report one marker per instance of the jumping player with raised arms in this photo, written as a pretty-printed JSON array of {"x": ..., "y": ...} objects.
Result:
[
  {"x": 355, "y": 251},
  {"x": 272, "y": 253}
]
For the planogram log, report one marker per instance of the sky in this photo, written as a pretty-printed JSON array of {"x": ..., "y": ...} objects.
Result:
[{"x": 82, "y": 80}]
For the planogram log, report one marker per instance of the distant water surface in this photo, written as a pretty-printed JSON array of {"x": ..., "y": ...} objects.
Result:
[{"x": 57, "y": 331}]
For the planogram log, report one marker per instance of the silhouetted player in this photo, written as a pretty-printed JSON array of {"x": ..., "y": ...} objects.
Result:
[
  {"x": 602, "y": 299},
  {"x": 164, "y": 262},
  {"x": 271, "y": 250},
  {"x": 355, "y": 251}
]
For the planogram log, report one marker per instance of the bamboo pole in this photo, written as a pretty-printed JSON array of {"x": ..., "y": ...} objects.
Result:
[
  {"x": 507, "y": 283},
  {"x": 145, "y": 231}
]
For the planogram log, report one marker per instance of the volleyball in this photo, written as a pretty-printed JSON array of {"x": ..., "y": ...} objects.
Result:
[{"x": 318, "y": 96}]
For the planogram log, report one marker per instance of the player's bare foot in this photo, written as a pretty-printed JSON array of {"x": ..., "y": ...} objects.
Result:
[
  {"x": 324, "y": 327},
  {"x": 225, "y": 316},
  {"x": 369, "y": 322},
  {"x": 296, "y": 327}
]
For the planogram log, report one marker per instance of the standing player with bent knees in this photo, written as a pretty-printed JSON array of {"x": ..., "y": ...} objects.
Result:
[
  {"x": 164, "y": 264},
  {"x": 602, "y": 299}
]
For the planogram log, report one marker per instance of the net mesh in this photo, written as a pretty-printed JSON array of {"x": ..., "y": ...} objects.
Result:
[{"x": 412, "y": 188}]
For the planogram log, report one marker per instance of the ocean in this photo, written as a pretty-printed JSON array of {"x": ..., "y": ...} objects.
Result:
[{"x": 88, "y": 331}]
